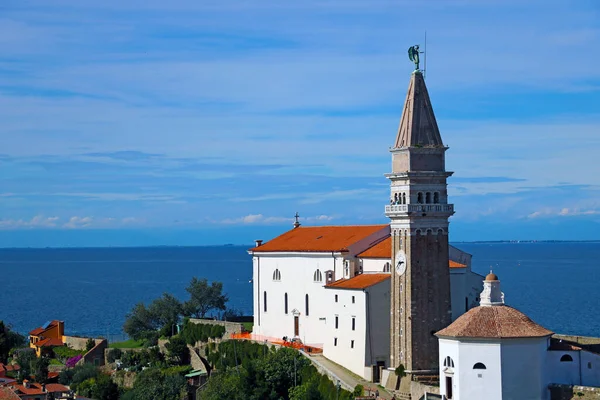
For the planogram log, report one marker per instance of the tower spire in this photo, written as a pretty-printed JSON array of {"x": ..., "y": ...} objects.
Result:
[
  {"x": 296, "y": 223},
  {"x": 418, "y": 127}
]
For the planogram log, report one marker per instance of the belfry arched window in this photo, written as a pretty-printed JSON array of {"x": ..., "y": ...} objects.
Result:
[
  {"x": 276, "y": 275},
  {"x": 403, "y": 198},
  {"x": 428, "y": 197},
  {"x": 420, "y": 198},
  {"x": 306, "y": 304},
  {"x": 436, "y": 197},
  {"x": 448, "y": 362},
  {"x": 318, "y": 276}
]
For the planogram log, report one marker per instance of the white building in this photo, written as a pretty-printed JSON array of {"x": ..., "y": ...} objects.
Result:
[
  {"x": 329, "y": 286},
  {"x": 496, "y": 352}
]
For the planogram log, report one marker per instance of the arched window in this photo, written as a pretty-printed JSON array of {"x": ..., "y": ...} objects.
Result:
[
  {"x": 566, "y": 358},
  {"x": 420, "y": 198},
  {"x": 318, "y": 276},
  {"x": 276, "y": 275},
  {"x": 428, "y": 197},
  {"x": 265, "y": 301},
  {"x": 448, "y": 362},
  {"x": 436, "y": 197},
  {"x": 479, "y": 366},
  {"x": 285, "y": 303},
  {"x": 306, "y": 304},
  {"x": 403, "y": 198},
  {"x": 386, "y": 267}
]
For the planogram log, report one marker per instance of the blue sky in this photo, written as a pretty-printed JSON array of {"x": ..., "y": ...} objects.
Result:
[{"x": 202, "y": 122}]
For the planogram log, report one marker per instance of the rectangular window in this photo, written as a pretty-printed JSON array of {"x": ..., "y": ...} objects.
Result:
[
  {"x": 352, "y": 344},
  {"x": 353, "y": 323},
  {"x": 335, "y": 341},
  {"x": 265, "y": 301},
  {"x": 336, "y": 322},
  {"x": 352, "y": 299},
  {"x": 336, "y": 298}
]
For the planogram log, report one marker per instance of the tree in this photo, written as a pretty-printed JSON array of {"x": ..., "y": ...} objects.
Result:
[
  {"x": 8, "y": 341},
  {"x": 179, "y": 353},
  {"x": 166, "y": 311},
  {"x": 152, "y": 384},
  {"x": 25, "y": 359},
  {"x": 40, "y": 369},
  {"x": 105, "y": 389},
  {"x": 204, "y": 297},
  {"x": 139, "y": 322},
  {"x": 90, "y": 344}
]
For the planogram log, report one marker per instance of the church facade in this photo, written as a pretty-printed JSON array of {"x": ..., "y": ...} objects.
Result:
[{"x": 373, "y": 296}]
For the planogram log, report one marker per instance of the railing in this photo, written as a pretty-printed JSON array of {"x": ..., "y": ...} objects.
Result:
[
  {"x": 280, "y": 342},
  {"x": 406, "y": 208}
]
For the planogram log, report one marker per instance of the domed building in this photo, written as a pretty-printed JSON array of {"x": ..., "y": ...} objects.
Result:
[{"x": 495, "y": 352}]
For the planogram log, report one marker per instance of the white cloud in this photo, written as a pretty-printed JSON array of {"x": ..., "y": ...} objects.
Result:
[
  {"x": 563, "y": 212},
  {"x": 39, "y": 221},
  {"x": 260, "y": 219}
]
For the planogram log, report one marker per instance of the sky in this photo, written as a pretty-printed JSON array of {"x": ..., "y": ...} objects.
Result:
[{"x": 132, "y": 123}]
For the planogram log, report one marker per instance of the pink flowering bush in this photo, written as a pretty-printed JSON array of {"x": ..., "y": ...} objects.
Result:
[{"x": 72, "y": 361}]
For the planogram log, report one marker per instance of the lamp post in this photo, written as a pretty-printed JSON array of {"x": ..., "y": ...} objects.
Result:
[{"x": 337, "y": 393}]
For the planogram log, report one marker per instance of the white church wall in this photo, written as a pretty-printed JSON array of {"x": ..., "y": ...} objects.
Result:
[
  {"x": 449, "y": 348},
  {"x": 342, "y": 344},
  {"x": 590, "y": 369},
  {"x": 563, "y": 372},
  {"x": 523, "y": 372},
  {"x": 374, "y": 265},
  {"x": 297, "y": 280},
  {"x": 479, "y": 383},
  {"x": 378, "y": 320}
]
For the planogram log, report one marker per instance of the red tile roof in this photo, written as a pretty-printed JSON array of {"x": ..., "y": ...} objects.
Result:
[
  {"x": 454, "y": 264},
  {"x": 56, "y": 387},
  {"x": 7, "y": 393},
  {"x": 9, "y": 367},
  {"x": 40, "y": 330},
  {"x": 494, "y": 322},
  {"x": 361, "y": 281},
  {"x": 319, "y": 238},
  {"x": 382, "y": 249},
  {"x": 49, "y": 342}
]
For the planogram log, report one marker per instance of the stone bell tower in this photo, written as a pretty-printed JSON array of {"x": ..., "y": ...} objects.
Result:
[{"x": 418, "y": 212}]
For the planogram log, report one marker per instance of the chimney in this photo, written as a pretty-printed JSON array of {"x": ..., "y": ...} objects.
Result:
[
  {"x": 258, "y": 242},
  {"x": 26, "y": 383}
]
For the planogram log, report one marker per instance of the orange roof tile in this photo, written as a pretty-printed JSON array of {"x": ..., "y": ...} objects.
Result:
[
  {"x": 494, "y": 322},
  {"x": 56, "y": 387},
  {"x": 319, "y": 238},
  {"x": 40, "y": 330},
  {"x": 382, "y": 249},
  {"x": 6, "y": 393},
  {"x": 49, "y": 342},
  {"x": 361, "y": 281},
  {"x": 454, "y": 264}
]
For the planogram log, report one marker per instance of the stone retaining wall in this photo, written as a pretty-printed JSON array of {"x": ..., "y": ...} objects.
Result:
[
  {"x": 567, "y": 392},
  {"x": 77, "y": 342},
  {"x": 230, "y": 327}
]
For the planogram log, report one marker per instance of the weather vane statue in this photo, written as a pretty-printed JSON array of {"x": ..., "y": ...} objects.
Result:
[{"x": 413, "y": 55}]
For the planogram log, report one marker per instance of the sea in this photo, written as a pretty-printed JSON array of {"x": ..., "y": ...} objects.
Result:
[{"x": 557, "y": 284}]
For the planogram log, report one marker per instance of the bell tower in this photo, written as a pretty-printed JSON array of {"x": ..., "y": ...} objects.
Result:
[{"x": 418, "y": 213}]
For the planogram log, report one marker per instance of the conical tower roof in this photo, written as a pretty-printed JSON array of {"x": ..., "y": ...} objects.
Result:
[{"x": 418, "y": 126}]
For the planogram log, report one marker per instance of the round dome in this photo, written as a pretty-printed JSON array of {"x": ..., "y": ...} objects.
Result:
[{"x": 491, "y": 277}]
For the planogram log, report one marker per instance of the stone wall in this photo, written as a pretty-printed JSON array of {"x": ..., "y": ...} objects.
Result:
[
  {"x": 230, "y": 327},
  {"x": 567, "y": 392},
  {"x": 418, "y": 391},
  {"x": 77, "y": 342},
  {"x": 96, "y": 355}
]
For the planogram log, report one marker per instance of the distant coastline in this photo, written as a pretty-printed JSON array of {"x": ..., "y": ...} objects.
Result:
[{"x": 250, "y": 245}]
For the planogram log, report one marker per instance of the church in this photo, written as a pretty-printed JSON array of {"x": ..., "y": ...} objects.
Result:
[
  {"x": 373, "y": 296},
  {"x": 378, "y": 297}
]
